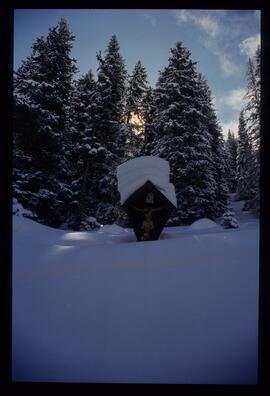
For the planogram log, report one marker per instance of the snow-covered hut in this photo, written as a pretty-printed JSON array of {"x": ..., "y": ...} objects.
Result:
[{"x": 146, "y": 194}]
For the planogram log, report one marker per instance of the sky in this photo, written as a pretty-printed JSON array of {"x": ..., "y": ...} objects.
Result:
[{"x": 221, "y": 41}]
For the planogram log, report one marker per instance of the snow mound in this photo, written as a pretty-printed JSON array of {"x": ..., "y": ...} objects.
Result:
[
  {"x": 204, "y": 224},
  {"x": 112, "y": 230},
  {"x": 134, "y": 173}
]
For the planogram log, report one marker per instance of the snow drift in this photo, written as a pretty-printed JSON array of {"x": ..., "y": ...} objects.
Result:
[
  {"x": 134, "y": 173},
  {"x": 204, "y": 224}
]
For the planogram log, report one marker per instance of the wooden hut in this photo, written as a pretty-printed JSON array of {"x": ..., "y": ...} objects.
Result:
[{"x": 146, "y": 194}]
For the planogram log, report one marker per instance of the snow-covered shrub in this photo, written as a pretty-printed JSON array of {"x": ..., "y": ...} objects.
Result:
[
  {"x": 229, "y": 220},
  {"x": 88, "y": 224},
  {"x": 18, "y": 210},
  {"x": 122, "y": 219}
]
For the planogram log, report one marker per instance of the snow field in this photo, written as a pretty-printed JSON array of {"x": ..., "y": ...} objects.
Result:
[{"x": 100, "y": 307}]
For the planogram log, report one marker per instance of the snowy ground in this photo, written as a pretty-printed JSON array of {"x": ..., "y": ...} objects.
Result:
[{"x": 100, "y": 307}]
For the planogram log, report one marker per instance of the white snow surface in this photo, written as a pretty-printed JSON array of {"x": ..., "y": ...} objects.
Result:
[
  {"x": 100, "y": 307},
  {"x": 204, "y": 224},
  {"x": 134, "y": 173}
]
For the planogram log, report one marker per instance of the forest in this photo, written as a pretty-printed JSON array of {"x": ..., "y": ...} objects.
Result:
[{"x": 70, "y": 134}]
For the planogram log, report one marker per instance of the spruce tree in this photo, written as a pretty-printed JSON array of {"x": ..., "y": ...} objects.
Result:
[
  {"x": 253, "y": 97},
  {"x": 218, "y": 155},
  {"x": 245, "y": 181},
  {"x": 148, "y": 116},
  {"x": 42, "y": 88},
  {"x": 110, "y": 96},
  {"x": 231, "y": 155},
  {"x": 252, "y": 111},
  {"x": 83, "y": 151},
  {"x": 108, "y": 119},
  {"x": 182, "y": 138},
  {"x": 136, "y": 92},
  {"x": 229, "y": 220}
]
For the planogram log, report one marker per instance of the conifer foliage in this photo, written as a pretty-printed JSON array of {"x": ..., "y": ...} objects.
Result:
[
  {"x": 109, "y": 133},
  {"x": 136, "y": 91},
  {"x": 71, "y": 134},
  {"x": 42, "y": 89},
  {"x": 229, "y": 220},
  {"x": 218, "y": 157},
  {"x": 148, "y": 116},
  {"x": 245, "y": 181},
  {"x": 182, "y": 136},
  {"x": 252, "y": 112},
  {"x": 82, "y": 149},
  {"x": 231, "y": 158},
  {"x": 136, "y": 104},
  {"x": 110, "y": 96}
]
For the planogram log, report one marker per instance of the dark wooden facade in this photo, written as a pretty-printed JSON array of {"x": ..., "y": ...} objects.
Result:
[{"x": 148, "y": 211}]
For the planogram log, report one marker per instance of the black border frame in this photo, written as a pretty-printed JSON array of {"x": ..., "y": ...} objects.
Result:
[{"x": 6, "y": 76}]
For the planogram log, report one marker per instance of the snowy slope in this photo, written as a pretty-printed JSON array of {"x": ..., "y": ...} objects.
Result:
[{"x": 100, "y": 307}]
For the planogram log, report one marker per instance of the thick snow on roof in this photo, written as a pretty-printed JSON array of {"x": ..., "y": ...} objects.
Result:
[{"x": 134, "y": 173}]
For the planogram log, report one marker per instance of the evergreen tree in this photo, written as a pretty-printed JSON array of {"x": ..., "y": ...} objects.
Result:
[
  {"x": 110, "y": 97},
  {"x": 42, "y": 88},
  {"x": 93, "y": 180},
  {"x": 182, "y": 138},
  {"x": 218, "y": 155},
  {"x": 252, "y": 111},
  {"x": 245, "y": 181},
  {"x": 157, "y": 100},
  {"x": 148, "y": 116},
  {"x": 82, "y": 151},
  {"x": 133, "y": 141},
  {"x": 229, "y": 220},
  {"x": 108, "y": 114},
  {"x": 253, "y": 97},
  {"x": 136, "y": 92},
  {"x": 231, "y": 155}
]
